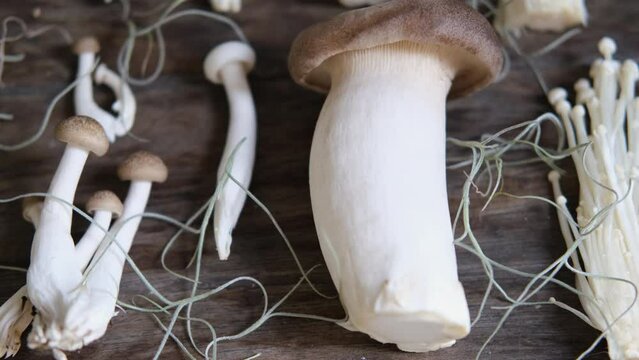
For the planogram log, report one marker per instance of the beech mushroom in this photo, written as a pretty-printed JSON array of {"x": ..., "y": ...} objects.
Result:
[
  {"x": 228, "y": 64},
  {"x": 539, "y": 15},
  {"x": 89, "y": 318},
  {"x": 17, "y": 312},
  {"x": 86, "y": 48},
  {"x": 104, "y": 206},
  {"x": 54, "y": 273},
  {"x": 377, "y": 164}
]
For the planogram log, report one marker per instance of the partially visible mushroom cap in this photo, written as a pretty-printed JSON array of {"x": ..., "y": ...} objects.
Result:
[
  {"x": 87, "y": 44},
  {"x": 446, "y": 23},
  {"x": 105, "y": 200},
  {"x": 226, "y": 53},
  {"x": 143, "y": 166},
  {"x": 83, "y": 132},
  {"x": 31, "y": 208}
]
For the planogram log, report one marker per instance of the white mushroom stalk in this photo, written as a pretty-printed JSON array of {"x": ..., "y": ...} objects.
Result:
[
  {"x": 377, "y": 166},
  {"x": 17, "y": 312},
  {"x": 89, "y": 317},
  {"x": 54, "y": 274},
  {"x": 125, "y": 105},
  {"x": 105, "y": 206},
  {"x": 513, "y": 16},
  {"x": 606, "y": 263},
  {"x": 227, "y": 6},
  {"x": 228, "y": 64},
  {"x": 114, "y": 126}
]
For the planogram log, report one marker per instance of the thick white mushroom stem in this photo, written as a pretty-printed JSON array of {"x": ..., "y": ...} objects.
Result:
[
  {"x": 86, "y": 49},
  {"x": 228, "y": 64},
  {"x": 54, "y": 274},
  {"x": 379, "y": 196},
  {"x": 89, "y": 318},
  {"x": 125, "y": 104}
]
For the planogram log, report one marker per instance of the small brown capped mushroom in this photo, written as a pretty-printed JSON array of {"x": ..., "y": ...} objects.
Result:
[
  {"x": 107, "y": 201},
  {"x": 143, "y": 166},
  {"x": 83, "y": 132},
  {"x": 87, "y": 44}
]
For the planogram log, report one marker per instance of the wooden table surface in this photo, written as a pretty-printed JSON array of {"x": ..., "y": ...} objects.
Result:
[{"x": 184, "y": 118}]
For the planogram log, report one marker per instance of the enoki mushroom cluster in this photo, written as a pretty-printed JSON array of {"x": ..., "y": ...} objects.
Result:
[{"x": 603, "y": 128}]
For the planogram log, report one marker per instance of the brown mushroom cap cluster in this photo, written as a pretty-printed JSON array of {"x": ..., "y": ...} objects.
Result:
[{"x": 446, "y": 23}]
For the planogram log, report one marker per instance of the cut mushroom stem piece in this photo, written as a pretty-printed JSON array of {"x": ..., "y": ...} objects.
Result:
[
  {"x": 227, "y": 6},
  {"x": 86, "y": 49},
  {"x": 89, "y": 319},
  {"x": 104, "y": 206},
  {"x": 54, "y": 273},
  {"x": 228, "y": 64},
  {"x": 16, "y": 313},
  {"x": 377, "y": 166},
  {"x": 539, "y": 15}
]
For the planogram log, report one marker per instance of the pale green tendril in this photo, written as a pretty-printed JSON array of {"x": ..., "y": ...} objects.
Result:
[
  {"x": 47, "y": 116},
  {"x": 489, "y": 153}
]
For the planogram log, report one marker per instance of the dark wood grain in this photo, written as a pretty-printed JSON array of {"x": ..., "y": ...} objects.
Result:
[{"x": 184, "y": 117}]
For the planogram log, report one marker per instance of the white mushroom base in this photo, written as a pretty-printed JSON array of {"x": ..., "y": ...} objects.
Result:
[{"x": 378, "y": 189}]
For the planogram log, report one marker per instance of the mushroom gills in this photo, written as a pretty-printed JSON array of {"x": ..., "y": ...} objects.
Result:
[{"x": 379, "y": 196}]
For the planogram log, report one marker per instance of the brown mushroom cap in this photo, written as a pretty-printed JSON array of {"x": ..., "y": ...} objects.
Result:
[
  {"x": 446, "y": 23},
  {"x": 31, "y": 207},
  {"x": 105, "y": 200},
  {"x": 143, "y": 166},
  {"x": 87, "y": 44},
  {"x": 83, "y": 132}
]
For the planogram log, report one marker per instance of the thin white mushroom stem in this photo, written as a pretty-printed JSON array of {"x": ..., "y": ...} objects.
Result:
[
  {"x": 228, "y": 64},
  {"x": 125, "y": 104},
  {"x": 89, "y": 317},
  {"x": 86, "y": 49},
  {"x": 104, "y": 205},
  {"x": 91, "y": 239},
  {"x": 608, "y": 207},
  {"x": 54, "y": 272}
]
